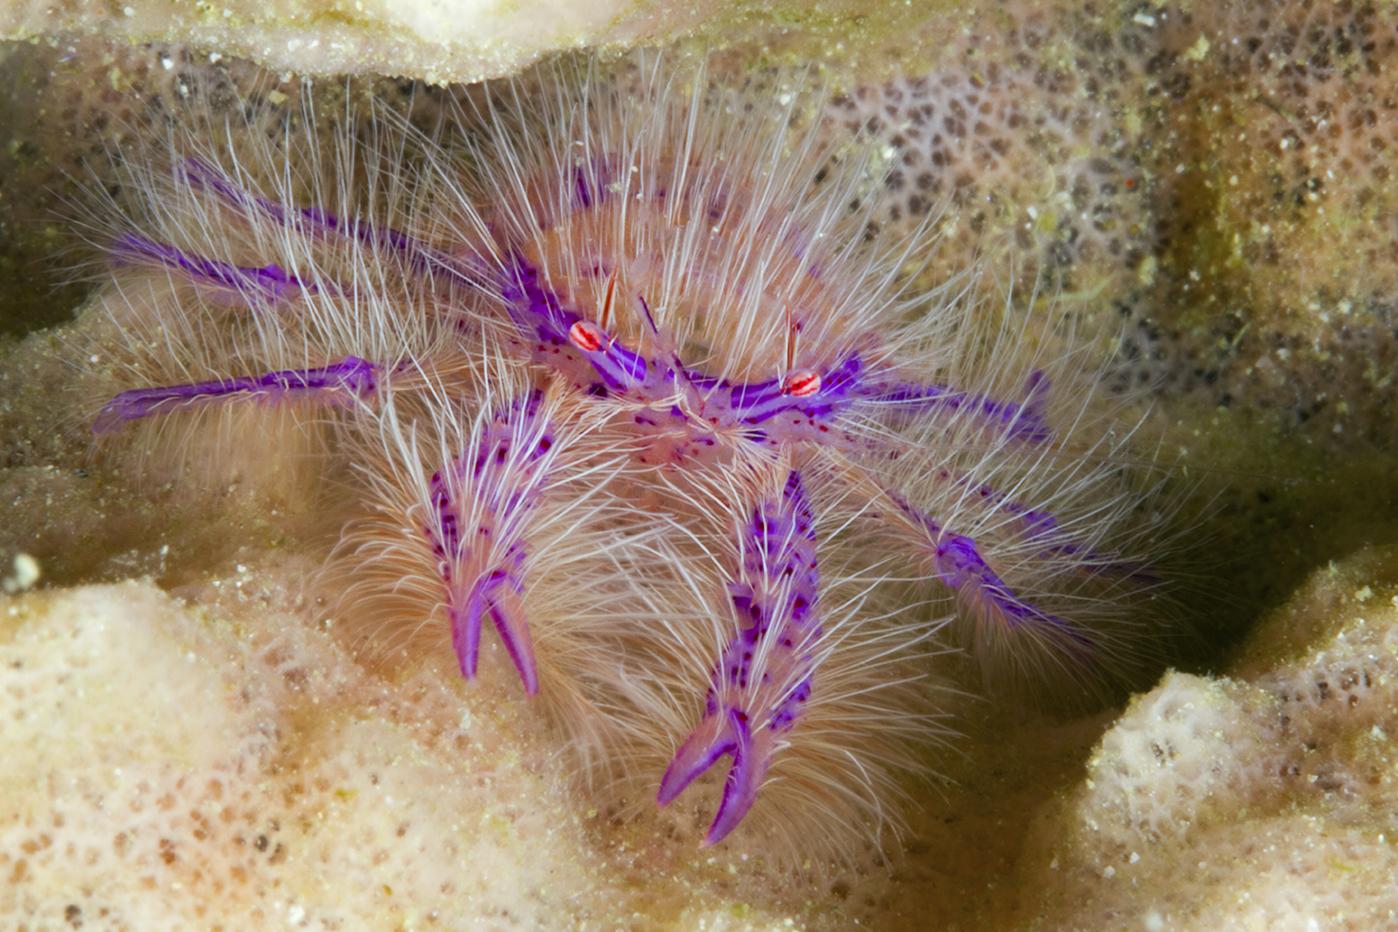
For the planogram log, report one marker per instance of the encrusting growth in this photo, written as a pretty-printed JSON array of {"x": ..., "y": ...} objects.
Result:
[{"x": 627, "y": 333}]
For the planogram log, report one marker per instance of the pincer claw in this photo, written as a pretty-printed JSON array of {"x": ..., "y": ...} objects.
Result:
[{"x": 724, "y": 732}]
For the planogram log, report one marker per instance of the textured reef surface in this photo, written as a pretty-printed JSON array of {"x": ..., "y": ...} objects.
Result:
[{"x": 190, "y": 741}]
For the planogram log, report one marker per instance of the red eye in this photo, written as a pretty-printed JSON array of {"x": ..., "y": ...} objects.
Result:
[
  {"x": 801, "y": 383},
  {"x": 585, "y": 336}
]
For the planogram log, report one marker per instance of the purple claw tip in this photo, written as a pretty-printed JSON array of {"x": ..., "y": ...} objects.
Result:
[
  {"x": 719, "y": 735},
  {"x": 491, "y": 596}
]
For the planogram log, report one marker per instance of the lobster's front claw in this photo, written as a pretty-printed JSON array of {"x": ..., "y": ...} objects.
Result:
[
  {"x": 493, "y": 595},
  {"x": 723, "y": 732}
]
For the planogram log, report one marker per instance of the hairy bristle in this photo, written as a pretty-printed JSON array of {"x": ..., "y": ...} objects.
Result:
[{"x": 619, "y": 380}]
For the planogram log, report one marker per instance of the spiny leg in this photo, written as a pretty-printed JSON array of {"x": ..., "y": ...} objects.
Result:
[
  {"x": 480, "y": 506},
  {"x": 251, "y": 284},
  {"x": 1041, "y": 527},
  {"x": 1023, "y": 420},
  {"x": 341, "y": 382},
  {"x": 759, "y": 687},
  {"x": 958, "y": 563},
  {"x": 316, "y": 221}
]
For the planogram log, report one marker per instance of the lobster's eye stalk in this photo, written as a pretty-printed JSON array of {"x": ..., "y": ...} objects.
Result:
[
  {"x": 801, "y": 383},
  {"x": 586, "y": 336}
]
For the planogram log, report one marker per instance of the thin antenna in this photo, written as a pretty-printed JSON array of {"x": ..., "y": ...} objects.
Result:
[
  {"x": 650, "y": 319},
  {"x": 792, "y": 338},
  {"x": 608, "y": 296}
]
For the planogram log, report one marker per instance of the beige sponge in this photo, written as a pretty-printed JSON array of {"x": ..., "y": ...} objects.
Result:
[
  {"x": 1262, "y": 800},
  {"x": 230, "y": 767}
]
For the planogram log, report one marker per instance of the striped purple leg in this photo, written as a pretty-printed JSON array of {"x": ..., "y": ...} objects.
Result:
[
  {"x": 315, "y": 221},
  {"x": 758, "y": 690},
  {"x": 1023, "y": 420},
  {"x": 339, "y": 383},
  {"x": 479, "y": 513},
  {"x": 1041, "y": 527},
  {"x": 957, "y": 562},
  {"x": 252, "y": 284}
]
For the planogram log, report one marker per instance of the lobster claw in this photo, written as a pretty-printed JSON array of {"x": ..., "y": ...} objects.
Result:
[
  {"x": 494, "y": 597},
  {"x": 722, "y": 732}
]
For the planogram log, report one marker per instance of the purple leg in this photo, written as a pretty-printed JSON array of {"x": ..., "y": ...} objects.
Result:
[
  {"x": 318, "y": 222},
  {"x": 760, "y": 686},
  {"x": 480, "y": 507},
  {"x": 351, "y": 377},
  {"x": 1041, "y": 527},
  {"x": 269, "y": 282},
  {"x": 958, "y": 563},
  {"x": 1025, "y": 420},
  {"x": 487, "y": 597}
]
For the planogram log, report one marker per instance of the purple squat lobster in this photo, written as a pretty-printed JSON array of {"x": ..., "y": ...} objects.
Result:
[
  {"x": 762, "y": 680},
  {"x": 846, "y": 401}
]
